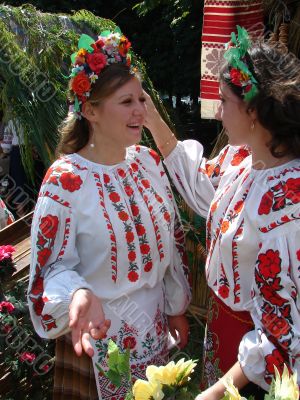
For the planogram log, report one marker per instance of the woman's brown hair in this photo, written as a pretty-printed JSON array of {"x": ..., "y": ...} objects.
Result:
[
  {"x": 75, "y": 133},
  {"x": 277, "y": 103}
]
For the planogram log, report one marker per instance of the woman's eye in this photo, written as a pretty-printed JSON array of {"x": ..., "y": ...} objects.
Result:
[
  {"x": 142, "y": 99},
  {"x": 127, "y": 101}
]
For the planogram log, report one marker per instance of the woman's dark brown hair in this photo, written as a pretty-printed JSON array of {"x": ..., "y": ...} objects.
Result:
[
  {"x": 75, "y": 133},
  {"x": 277, "y": 103}
]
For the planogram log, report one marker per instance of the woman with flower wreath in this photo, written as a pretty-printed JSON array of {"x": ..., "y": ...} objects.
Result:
[
  {"x": 250, "y": 195},
  {"x": 107, "y": 244}
]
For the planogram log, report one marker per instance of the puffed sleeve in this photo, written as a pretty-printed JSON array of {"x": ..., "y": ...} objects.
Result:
[
  {"x": 195, "y": 177},
  {"x": 177, "y": 287},
  {"x": 275, "y": 305},
  {"x": 176, "y": 278},
  {"x": 54, "y": 258}
]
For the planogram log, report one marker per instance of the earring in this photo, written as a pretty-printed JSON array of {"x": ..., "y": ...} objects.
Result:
[
  {"x": 252, "y": 126},
  {"x": 92, "y": 144}
]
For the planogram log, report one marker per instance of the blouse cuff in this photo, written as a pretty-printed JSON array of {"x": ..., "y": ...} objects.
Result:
[{"x": 251, "y": 358}]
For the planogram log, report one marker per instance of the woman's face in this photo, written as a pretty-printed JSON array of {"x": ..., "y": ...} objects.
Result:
[
  {"x": 120, "y": 116},
  {"x": 233, "y": 113}
]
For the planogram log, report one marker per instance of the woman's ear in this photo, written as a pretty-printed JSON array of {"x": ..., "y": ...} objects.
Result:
[
  {"x": 88, "y": 111},
  {"x": 252, "y": 113}
]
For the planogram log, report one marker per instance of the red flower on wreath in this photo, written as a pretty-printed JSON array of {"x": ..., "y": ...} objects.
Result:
[
  {"x": 129, "y": 342},
  {"x": 275, "y": 358},
  {"x": 275, "y": 325},
  {"x": 43, "y": 256},
  {"x": 266, "y": 203},
  {"x": 81, "y": 84},
  {"x": 269, "y": 264},
  {"x": 49, "y": 225},
  {"x": 133, "y": 276},
  {"x": 96, "y": 61},
  {"x": 70, "y": 181}
]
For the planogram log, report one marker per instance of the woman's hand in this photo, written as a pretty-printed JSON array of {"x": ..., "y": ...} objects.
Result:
[
  {"x": 164, "y": 138},
  {"x": 180, "y": 324},
  {"x": 86, "y": 319}
]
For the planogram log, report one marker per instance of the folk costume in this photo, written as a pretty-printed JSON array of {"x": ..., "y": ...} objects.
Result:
[
  {"x": 252, "y": 268},
  {"x": 115, "y": 230}
]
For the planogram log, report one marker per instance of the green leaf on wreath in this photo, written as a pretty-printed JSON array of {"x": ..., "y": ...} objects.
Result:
[
  {"x": 114, "y": 377},
  {"x": 85, "y": 42}
]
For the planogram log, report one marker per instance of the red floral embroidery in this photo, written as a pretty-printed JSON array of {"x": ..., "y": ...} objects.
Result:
[
  {"x": 48, "y": 322},
  {"x": 275, "y": 325},
  {"x": 148, "y": 266},
  {"x": 129, "y": 342},
  {"x": 239, "y": 156},
  {"x": 275, "y": 358},
  {"x": 266, "y": 203},
  {"x": 271, "y": 295},
  {"x": 43, "y": 256},
  {"x": 155, "y": 156},
  {"x": 70, "y": 181},
  {"x": 49, "y": 225},
  {"x": 269, "y": 264},
  {"x": 298, "y": 255},
  {"x": 114, "y": 197},
  {"x": 37, "y": 286},
  {"x": 133, "y": 276},
  {"x": 113, "y": 246},
  {"x": 223, "y": 291}
]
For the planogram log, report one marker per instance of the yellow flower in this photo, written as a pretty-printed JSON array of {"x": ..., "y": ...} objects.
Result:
[
  {"x": 286, "y": 387},
  {"x": 144, "y": 390},
  {"x": 232, "y": 392},
  {"x": 81, "y": 52},
  {"x": 171, "y": 374}
]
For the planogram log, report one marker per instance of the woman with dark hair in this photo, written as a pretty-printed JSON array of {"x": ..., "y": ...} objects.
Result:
[
  {"x": 250, "y": 195},
  {"x": 107, "y": 243}
]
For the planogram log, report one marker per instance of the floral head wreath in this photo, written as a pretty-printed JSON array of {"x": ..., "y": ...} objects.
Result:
[
  {"x": 236, "y": 56},
  {"x": 90, "y": 59}
]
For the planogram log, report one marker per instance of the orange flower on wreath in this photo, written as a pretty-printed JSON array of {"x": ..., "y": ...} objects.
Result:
[{"x": 81, "y": 84}]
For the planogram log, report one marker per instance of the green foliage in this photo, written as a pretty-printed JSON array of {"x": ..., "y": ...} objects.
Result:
[{"x": 118, "y": 365}]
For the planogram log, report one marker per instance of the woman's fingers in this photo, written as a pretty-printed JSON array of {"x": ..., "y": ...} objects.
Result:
[
  {"x": 86, "y": 344},
  {"x": 76, "y": 340},
  {"x": 100, "y": 331}
]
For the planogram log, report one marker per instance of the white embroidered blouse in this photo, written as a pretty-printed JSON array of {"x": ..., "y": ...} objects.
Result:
[
  {"x": 113, "y": 229},
  {"x": 253, "y": 242}
]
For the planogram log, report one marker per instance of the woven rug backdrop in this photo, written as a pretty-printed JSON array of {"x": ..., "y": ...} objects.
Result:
[{"x": 219, "y": 20}]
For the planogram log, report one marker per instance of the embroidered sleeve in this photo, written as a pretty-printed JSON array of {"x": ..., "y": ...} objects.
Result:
[
  {"x": 54, "y": 258},
  {"x": 195, "y": 177},
  {"x": 275, "y": 310}
]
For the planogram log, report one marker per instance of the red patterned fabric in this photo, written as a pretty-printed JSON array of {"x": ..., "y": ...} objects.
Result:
[{"x": 219, "y": 20}]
